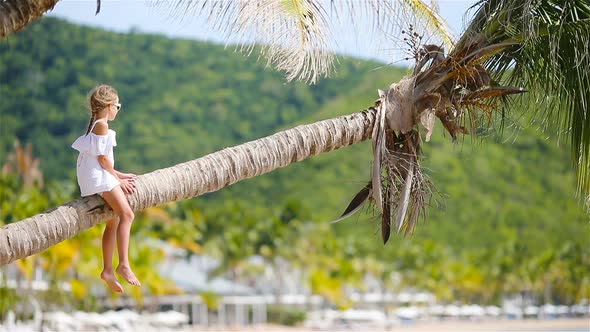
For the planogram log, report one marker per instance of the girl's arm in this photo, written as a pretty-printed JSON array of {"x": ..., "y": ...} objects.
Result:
[
  {"x": 107, "y": 164},
  {"x": 127, "y": 183},
  {"x": 126, "y": 180}
]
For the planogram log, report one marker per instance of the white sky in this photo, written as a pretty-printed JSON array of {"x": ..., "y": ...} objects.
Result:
[{"x": 143, "y": 16}]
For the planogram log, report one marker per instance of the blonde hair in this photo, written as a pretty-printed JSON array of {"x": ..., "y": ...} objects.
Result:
[{"x": 100, "y": 97}]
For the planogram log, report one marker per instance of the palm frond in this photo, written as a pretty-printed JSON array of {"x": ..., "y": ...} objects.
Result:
[
  {"x": 433, "y": 20},
  {"x": 296, "y": 35},
  {"x": 551, "y": 60},
  {"x": 356, "y": 203},
  {"x": 17, "y": 14},
  {"x": 381, "y": 23}
]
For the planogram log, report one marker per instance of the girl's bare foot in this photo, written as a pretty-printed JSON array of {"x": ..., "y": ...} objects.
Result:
[
  {"x": 111, "y": 280},
  {"x": 126, "y": 272}
]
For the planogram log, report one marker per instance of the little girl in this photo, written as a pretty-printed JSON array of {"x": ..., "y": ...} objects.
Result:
[{"x": 97, "y": 175}]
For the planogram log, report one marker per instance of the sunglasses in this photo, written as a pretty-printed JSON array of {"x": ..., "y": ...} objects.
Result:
[{"x": 118, "y": 106}]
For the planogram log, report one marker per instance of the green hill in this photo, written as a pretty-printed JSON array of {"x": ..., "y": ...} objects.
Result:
[{"x": 183, "y": 99}]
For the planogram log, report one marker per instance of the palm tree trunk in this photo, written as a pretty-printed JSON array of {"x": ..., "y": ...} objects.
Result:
[
  {"x": 209, "y": 173},
  {"x": 16, "y": 14}
]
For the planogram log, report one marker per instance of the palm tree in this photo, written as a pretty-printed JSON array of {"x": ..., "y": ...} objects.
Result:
[{"x": 541, "y": 45}]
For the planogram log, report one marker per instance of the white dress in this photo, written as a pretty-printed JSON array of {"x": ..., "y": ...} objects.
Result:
[{"x": 93, "y": 178}]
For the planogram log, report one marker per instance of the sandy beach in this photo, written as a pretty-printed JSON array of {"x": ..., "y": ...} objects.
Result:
[{"x": 561, "y": 325}]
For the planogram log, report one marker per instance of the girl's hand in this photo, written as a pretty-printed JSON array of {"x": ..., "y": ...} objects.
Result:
[
  {"x": 126, "y": 175},
  {"x": 128, "y": 186}
]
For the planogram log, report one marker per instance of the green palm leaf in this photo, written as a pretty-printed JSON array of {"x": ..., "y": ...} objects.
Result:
[{"x": 550, "y": 59}]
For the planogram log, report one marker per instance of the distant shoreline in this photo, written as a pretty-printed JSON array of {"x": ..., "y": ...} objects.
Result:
[{"x": 545, "y": 325}]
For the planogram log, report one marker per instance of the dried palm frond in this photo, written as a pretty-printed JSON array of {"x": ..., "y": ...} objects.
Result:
[
  {"x": 432, "y": 19},
  {"x": 16, "y": 14},
  {"x": 296, "y": 35},
  {"x": 455, "y": 88},
  {"x": 356, "y": 203},
  {"x": 398, "y": 188}
]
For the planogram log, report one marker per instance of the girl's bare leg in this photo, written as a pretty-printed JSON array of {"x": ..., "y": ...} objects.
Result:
[
  {"x": 108, "y": 247},
  {"x": 118, "y": 202}
]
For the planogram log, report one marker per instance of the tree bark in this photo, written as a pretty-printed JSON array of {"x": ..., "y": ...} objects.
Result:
[
  {"x": 193, "y": 178},
  {"x": 16, "y": 14}
]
